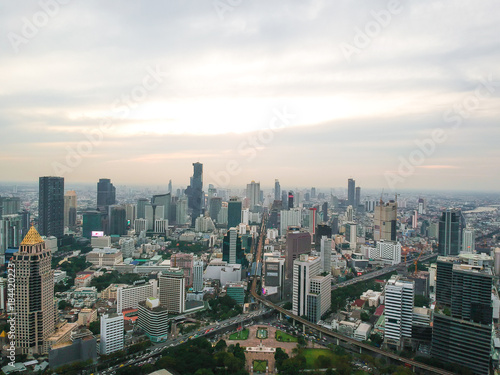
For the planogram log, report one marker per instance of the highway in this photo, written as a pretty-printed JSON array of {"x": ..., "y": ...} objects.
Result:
[
  {"x": 383, "y": 271},
  {"x": 327, "y": 332}
]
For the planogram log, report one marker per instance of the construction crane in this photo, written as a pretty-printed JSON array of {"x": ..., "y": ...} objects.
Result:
[{"x": 416, "y": 260}]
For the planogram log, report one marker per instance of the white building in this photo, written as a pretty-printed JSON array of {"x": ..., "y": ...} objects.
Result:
[
  {"x": 102, "y": 241},
  {"x": 173, "y": 290},
  {"x": 319, "y": 298},
  {"x": 140, "y": 225},
  {"x": 204, "y": 224},
  {"x": 233, "y": 236},
  {"x": 127, "y": 246},
  {"x": 128, "y": 297},
  {"x": 197, "y": 275},
  {"x": 390, "y": 251},
  {"x": 272, "y": 234},
  {"x": 351, "y": 234},
  {"x": 105, "y": 257},
  {"x": 326, "y": 254},
  {"x": 289, "y": 218},
  {"x": 161, "y": 225},
  {"x": 304, "y": 268},
  {"x": 111, "y": 333},
  {"x": 468, "y": 241},
  {"x": 245, "y": 216},
  {"x": 399, "y": 295}
]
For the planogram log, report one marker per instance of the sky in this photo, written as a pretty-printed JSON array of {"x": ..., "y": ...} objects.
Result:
[{"x": 396, "y": 94}]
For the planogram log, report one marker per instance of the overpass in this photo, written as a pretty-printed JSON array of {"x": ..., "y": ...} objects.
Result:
[{"x": 340, "y": 338}]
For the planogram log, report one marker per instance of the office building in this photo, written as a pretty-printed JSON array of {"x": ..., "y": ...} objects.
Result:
[
  {"x": 232, "y": 251},
  {"x": 106, "y": 194},
  {"x": 385, "y": 220},
  {"x": 274, "y": 276},
  {"x": 463, "y": 317},
  {"x": 130, "y": 210},
  {"x": 112, "y": 333},
  {"x": 284, "y": 200},
  {"x": 34, "y": 306},
  {"x": 10, "y": 232},
  {"x": 51, "y": 206},
  {"x": 186, "y": 263},
  {"x": 141, "y": 207},
  {"x": 290, "y": 218},
  {"x": 297, "y": 243},
  {"x": 324, "y": 210},
  {"x": 9, "y": 205},
  {"x": 153, "y": 319},
  {"x": 421, "y": 206},
  {"x": 290, "y": 200},
  {"x": 358, "y": 197},
  {"x": 117, "y": 220},
  {"x": 128, "y": 297},
  {"x": 319, "y": 298},
  {"x": 173, "y": 290},
  {"x": 468, "y": 241},
  {"x": 451, "y": 226},
  {"x": 389, "y": 251},
  {"x": 253, "y": 194},
  {"x": 351, "y": 192},
  {"x": 194, "y": 193},
  {"x": 277, "y": 190},
  {"x": 181, "y": 213},
  {"x": 399, "y": 296},
  {"x": 326, "y": 254},
  {"x": 215, "y": 207},
  {"x": 414, "y": 219},
  {"x": 92, "y": 221},
  {"x": 351, "y": 234},
  {"x": 312, "y": 222},
  {"x": 304, "y": 268},
  {"x": 349, "y": 213},
  {"x": 237, "y": 292},
  {"x": 197, "y": 275},
  {"x": 70, "y": 209},
  {"x": 234, "y": 208}
]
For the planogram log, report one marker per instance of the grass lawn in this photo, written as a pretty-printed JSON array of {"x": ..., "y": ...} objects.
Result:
[
  {"x": 259, "y": 366},
  {"x": 312, "y": 354},
  {"x": 285, "y": 337},
  {"x": 241, "y": 335}
]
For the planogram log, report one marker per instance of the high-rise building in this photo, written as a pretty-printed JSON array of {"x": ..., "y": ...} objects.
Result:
[
  {"x": 297, "y": 243},
  {"x": 169, "y": 187},
  {"x": 319, "y": 298},
  {"x": 194, "y": 193},
  {"x": 141, "y": 208},
  {"x": 153, "y": 319},
  {"x": 351, "y": 192},
  {"x": 9, "y": 205},
  {"x": 385, "y": 220},
  {"x": 421, "y": 206},
  {"x": 284, "y": 199},
  {"x": 313, "y": 193},
  {"x": 277, "y": 190},
  {"x": 117, "y": 220},
  {"x": 357, "y": 200},
  {"x": 10, "y": 232},
  {"x": 112, "y": 333},
  {"x": 92, "y": 221},
  {"x": 51, "y": 206},
  {"x": 232, "y": 251},
  {"x": 173, "y": 290},
  {"x": 304, "y": 268},
  {"x": 451, "y": 226},
  {"x": 462, "y": 327},
  {"x": 130, "y": 214},
  {"x": 181, "y": 214},
  {"x": 234, "y": 207},
  {"x": 106, "y": 193},
  {"x": 399, "y": 296},
  {"x": 468, "y": 241},
  {"x": 70, "y": 209},
  {"x": 198, "y": 275},
  {"x": 312, "y": 222},
  {"x": 351, "y": 234},
  {"x": 349, "y": 213},
  {"x": 290, "y": 200},
  {"x": 414, "y": 219},
  {"x": 388, "y": 251},
  {"x": 215, "y": 206},
  {"x": 324, "y": 210},
  {"x": 290, "y": 218},
  {"x": 34, "y": 306},
  {"x": 128, "y": 297},
  {"x": 326, "y": 254},
  {"x": 253, "y": 194}
]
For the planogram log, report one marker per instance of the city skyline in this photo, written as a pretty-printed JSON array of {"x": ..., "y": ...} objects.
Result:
[{"x": 206, "y": 81}]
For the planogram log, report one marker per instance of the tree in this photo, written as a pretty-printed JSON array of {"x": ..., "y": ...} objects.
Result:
[
  {"x": 323, "y": 362},
  {"x": 288, "y": 306},
  {"x": 376, "y": 339},
  {"x": 63, "y": 305},
  {"x": 421, "y": 301},
  {"x": 221, "y": 345},
  {"x": 204, "y": 371},
  {"x": 280, "y": 356},
  {"x": 364, "y": 316},
  {"x": 95, "y": 327}
]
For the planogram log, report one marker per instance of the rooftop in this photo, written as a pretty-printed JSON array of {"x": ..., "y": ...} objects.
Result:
[{"x": 32, "y": 237}]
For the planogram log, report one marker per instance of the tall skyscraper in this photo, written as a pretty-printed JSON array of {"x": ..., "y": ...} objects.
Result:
[
  {"x": 399, "y": 295},
  {"x": 70, "y": 209},
  {"x": 451, "y": 226},
  {"x": 112, "y": 337},
  {"x": 194, "y": 193},
  {"x": 170, "y": 187},
  {"x": 234, "y": 207},
  {"x": 51, "y": 206},
  {"x": 385, "y": 220},
  {"x": 284, "y": 199},
  {"x": 198, "y": 275},
  {"x": 10, "y": 232},
  {"x": 358, "y": 197},
  {"x": 92, "y": 221},
  {"x": 297, "y": 243},
  {"x": 215, "y": 206},
  {"x": 462, "y": 327},
  {"x": 253, "y": 194},
  {"x": 304, "y": 267},
  {"x": 324, "y": 210},
  {"x": 117, "y": 220},
  {"x": 468, "y": 241},
  {"x": 34, "y": 306},
  {"x": 173, "y": 290},
  {"x": 181, "y": 214},
  {"x": 290, "y": 200},
  {"x": 277, "y": 190},
  {"x": 326, "y": 254},
  {"x": 106, "y": 193},
  {"x": 313, "y": 193},
  {"x": 351, "y": 192},
  {"x": 232, "y": 251},
  {"x": 141, "y": 207}
]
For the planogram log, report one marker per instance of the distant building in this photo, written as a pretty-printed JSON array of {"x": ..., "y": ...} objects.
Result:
[
  {"x": 153, "y": 319},
  {"x": 385, "y": 219},
  {"x": 297, "y": 243},
  {"x": 234, "y": 208},
  {"x": 51, "y": 206},
  {"x": 104, "y": 257},
  {"x": 351, "y": 192},
  {"x": 70, "y": 209},
  {"x": 198, "y": 276},
  {"x": 106, "y": 193},
  {"x": 112, "y": 336},
  {"x": 194, "y": 192},
  {"x": 451, "y": 226},
  {"x": 173, "y": 290}
]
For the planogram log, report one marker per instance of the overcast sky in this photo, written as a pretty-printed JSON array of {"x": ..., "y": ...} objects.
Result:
[{"x": 311, "y": 92}]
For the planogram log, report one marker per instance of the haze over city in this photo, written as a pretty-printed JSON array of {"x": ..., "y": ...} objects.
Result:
[{"x": 349, "y": 91}]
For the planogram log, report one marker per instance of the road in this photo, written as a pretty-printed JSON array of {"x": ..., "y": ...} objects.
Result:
[
  {"x": 327, "y": 332},
  {"x": 383, "y": 271}
]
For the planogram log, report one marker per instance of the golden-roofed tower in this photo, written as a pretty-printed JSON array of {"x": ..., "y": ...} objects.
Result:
[{"x": 32, "y": 237}]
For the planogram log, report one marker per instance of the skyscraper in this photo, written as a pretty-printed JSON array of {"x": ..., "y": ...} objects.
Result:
[
  {"x": 198, "y": 275},
  {"x": 399, "y": 295},
  {"x": 141, "y": 208},
  {"x": 215, "y": 206},
  {"x": 106, "y": 193},
  {"x": 313, "y": 193},
  {"x": 462, "y": 327},
  {"x": 277, "y": 190},
  {"x": 451, "y": 226},
  {"x": 290, "y": 200},
  {"x": 234, "y": 212},
  {"x": 112, "y": 337},
  {"x": 468, "y": 241},
  {"x": 51, "y": 206},
  {"x": 170, "y": 187},
  {"x": 351, "y": 192},
  {"x": 253, "y": 194},
  {"x": 297, "y": 243},
  {"x": 358, "y": 197},
  {"x": 117, "y": 220},
  {"x": 173, "y": 290},
  {"x": 70, "y": 209},
  {"x": 385, "y": 221},
  {"x": 232, "y": 251},
  {"x": 324, "y": 210},
  {"x": 34, "y": 306},
  {"x": 194, "y": 192}
]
